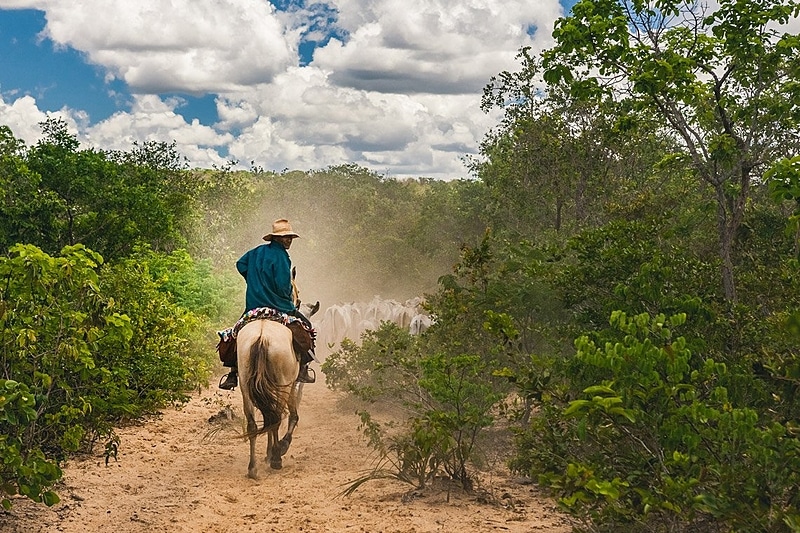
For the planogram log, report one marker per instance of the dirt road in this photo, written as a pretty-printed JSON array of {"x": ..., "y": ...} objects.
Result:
[{"x": 183, "y": 473}]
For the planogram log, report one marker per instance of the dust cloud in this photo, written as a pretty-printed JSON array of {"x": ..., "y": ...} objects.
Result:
[{"x": 336, "y": 264}]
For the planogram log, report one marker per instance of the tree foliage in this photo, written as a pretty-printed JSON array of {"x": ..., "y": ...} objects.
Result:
[
  {"x": 56, "y": 194},
  {"x": 653, "y": 438},
  {"x": 558, "y": 162},
  {"x": 722, "y": 81},
  {"x": 362, "y": 234},
  {"x": 82, "y": 346},
  {"x": 635, "y": 428}
]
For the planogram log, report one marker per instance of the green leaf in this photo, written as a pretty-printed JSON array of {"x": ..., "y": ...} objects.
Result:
[
  {"x": 50, "y": 498},
  {"x": 622, "y": 412},
  {"x": 576, "y": 406},
  {"x": 599, "y": 389}
]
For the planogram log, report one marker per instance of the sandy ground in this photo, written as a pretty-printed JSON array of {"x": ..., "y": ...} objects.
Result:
[{"x": 186, "y": 472}]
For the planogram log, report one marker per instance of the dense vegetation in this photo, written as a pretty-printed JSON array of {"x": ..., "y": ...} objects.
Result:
[
  {"x": 117, "y": 268},
  {"x": 619, "y": 284},
  {"x": 633, "y": 310}
]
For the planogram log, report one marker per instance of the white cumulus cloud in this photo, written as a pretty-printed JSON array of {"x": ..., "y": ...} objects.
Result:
[{"x": 394, "y": 85}]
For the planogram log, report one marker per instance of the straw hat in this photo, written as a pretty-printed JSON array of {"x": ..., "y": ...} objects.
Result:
[{"x": 281, "y": 228}]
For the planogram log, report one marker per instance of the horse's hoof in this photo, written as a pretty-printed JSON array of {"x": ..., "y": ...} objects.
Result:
[
  {"x": 252, "y": 474},
  {"x": 276, "y": 465}
]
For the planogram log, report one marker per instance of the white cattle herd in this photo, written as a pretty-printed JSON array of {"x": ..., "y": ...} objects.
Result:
[{"x": 351, "y": 320}]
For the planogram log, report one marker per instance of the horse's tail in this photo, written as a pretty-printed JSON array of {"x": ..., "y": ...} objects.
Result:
[{"x": 266, "y": 393}]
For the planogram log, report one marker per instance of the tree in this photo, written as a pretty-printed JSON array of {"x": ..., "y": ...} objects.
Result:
[
  {"x": 556, "y": 161},
  {"x": 723, "y": 81},
  {"x": 536, "y": 165},
  {"x": 107, "y": 201},
  {"x": 25, "y": 210}
]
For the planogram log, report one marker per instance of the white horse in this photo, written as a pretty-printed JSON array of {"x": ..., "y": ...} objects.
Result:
[{"x": 268, "y": 368}]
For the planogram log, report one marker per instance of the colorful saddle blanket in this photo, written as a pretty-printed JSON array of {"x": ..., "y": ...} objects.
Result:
[
  {"x": 263, "y": 313},
  {"x": 303, "y": 337}
]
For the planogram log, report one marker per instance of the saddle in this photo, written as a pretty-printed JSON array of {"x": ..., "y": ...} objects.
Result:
[
  {"x": 301, "y": 341},
  {"x": 227, "y": 351},
  {"x": 301, "y": 338}
]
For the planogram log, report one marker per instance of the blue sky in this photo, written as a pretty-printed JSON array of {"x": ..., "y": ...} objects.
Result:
[{"x": 393, "y": 85}]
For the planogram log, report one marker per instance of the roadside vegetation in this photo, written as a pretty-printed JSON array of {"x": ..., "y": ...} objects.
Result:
[{"x": 632, "y": 308}]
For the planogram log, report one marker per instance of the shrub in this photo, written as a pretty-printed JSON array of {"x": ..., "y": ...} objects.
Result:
[
  {"x": 449, "y": 398},
  {"x": 22, "y": 469},
  {"x": 652, "y": 439},
  {"x": 54, "y": 323},
  {"x": 384, "y": 367},
  {"x": 83, "y": 346},
  {"x": 171, "y": 332}
]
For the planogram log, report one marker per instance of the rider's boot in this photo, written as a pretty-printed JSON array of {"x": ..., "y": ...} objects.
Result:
[
  {"x": 231, "y": 380},
  {"x": 304, "y": 376}
]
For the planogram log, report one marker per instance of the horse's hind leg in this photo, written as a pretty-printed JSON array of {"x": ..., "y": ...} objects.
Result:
[
  {"x": 286, "y": 441},
  {"x": 273, "y": 450},
  {"x": 294, "y": 401},
  {"x": 252, "y": 467},
  {"x": 270, "y": 447}
]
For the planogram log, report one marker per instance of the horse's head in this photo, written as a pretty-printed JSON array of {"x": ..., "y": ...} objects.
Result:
[{"x": 309, "y": 310}]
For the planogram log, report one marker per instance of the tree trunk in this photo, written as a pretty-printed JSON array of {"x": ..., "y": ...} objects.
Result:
[
  {"x": 726, "y": 239},
  {"x": 730, "y": 214},
  {"x": 559, "y": 208}
]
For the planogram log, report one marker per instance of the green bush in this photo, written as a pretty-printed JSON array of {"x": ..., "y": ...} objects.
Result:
[
  {"x": 54, "y": 322},
  {"x": 449, "y": 398},
  {"x": 192, "y": 284},
  {"x": 413, "y": 453},
  {"x": 84, "y": 345},
  {"x": 649, "y": 437},
  {"x": 384, "y": 367},
  {"x": 462, "y": 396},
  {"x": 172, "y": 352},
  {"x": 22, "y": 469}
]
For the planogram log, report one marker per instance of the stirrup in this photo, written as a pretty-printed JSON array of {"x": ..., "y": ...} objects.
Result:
[
  {"x": 309, "y": 376},
  {"x": 228, "y": 382}
]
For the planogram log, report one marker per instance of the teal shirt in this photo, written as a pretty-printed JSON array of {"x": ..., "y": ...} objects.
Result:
[{"x": 267, "y": 269}]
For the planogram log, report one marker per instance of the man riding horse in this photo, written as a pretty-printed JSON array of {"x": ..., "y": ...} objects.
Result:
[{"x": 267, "y": 269}]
